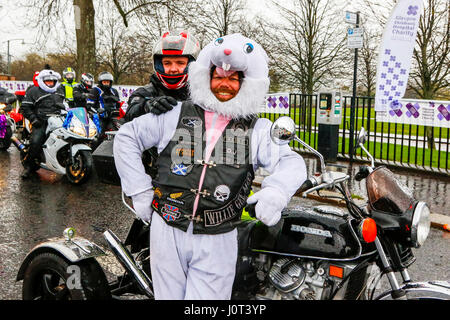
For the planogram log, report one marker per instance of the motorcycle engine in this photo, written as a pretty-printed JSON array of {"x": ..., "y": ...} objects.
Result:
[{"x": 293, "y": 279}]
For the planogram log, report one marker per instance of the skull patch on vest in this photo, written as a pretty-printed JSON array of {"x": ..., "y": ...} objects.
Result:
[{"x": 222, "y": 193}]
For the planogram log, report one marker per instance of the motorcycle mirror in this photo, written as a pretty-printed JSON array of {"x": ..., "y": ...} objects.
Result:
[
  {"x": 283, "y": 130},
  {"x": 362, "y": 136}
]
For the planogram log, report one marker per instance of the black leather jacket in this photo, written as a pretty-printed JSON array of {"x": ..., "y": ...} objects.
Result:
[
  {"x": 154, "y": 89},
  {"x": 38, "y": 104},
  {"x": 80, "y": 95}
]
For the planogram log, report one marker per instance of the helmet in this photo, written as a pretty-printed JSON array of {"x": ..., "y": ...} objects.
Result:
[
  {"x": 69, "y": 74},
  {"x": 174, "y": 43},
  {"x": 105, "y": 75},
  {"x": 48, "y": 75},
  {"x": 87, "y": 80}
]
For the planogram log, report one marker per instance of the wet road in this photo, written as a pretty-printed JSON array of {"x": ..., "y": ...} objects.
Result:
[{"x": 33, "y": 210}]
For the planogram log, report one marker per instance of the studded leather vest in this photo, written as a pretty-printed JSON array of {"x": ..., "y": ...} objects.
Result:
[{"x": 227, "y": 180}]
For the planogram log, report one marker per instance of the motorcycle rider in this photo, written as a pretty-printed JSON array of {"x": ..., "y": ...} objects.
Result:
[
  {"x": 172, "y": 54},
  {"x": 4, "y": 94},
  {"x": 37, "y": 104},
  {"x": 68, "y": 84},
  {"x": 104, "y": 96},
  {"x": 81, "y": 91},
  {"x": 197, "y": 203}
]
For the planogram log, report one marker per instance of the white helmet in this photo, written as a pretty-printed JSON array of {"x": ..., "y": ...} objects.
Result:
[{"x": 48, "y": 75}]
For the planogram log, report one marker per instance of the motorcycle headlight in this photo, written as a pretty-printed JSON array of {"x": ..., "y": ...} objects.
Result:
[
  {"x": 78, "y": 130},
  {"x": 420, "y": 226},
  {"x": 92, "y": 131}
]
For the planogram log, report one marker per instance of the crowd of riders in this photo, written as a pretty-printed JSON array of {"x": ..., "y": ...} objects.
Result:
[{"x": 52, "y": 93}]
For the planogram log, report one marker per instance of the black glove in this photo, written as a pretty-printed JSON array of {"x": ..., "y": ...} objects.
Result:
[
  {"x": 36, "y": 123},
  {"x": 160, "y": 105}
]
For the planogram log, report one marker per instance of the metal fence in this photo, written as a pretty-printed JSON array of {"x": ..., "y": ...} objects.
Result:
[{"x": 390, "y": 143}]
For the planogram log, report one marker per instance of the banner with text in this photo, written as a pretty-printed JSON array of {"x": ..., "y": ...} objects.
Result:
[
  {"x": 395, "y": 54},
  {"x": 419, "y": 112}
]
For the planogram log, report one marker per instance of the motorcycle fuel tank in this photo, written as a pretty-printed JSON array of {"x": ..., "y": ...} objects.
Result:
[{"x": 322, "y": 232}]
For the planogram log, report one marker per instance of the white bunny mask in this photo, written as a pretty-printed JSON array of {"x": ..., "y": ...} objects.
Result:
[{"x": 231, "y": 53}]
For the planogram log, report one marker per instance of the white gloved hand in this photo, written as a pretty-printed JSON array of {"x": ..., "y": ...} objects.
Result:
[
  {"x": 269, "y": 204},
  {"x": 142, "y": 204}
]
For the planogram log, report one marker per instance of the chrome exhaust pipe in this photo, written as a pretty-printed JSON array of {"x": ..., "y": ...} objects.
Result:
[{"x": 127, "y": 261}]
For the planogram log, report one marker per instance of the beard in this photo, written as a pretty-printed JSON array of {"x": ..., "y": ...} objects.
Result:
[{"x": 247, "y": 102}]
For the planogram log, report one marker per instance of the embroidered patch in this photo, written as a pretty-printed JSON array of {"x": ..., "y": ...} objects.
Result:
[
  {"x": 191, "y": 122},
  {"x": 176, "y": 195},
  {"x": 158, "y": 192},
  {"x": 175, "y": 201},
  {"x": 155, "y": 204},
  {"x": 181, "y": 169},
  {"x": 222, "y": 193},
  {"x": 170, "y": 213}
]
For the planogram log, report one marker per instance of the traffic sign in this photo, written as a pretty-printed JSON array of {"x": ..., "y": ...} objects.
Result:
[
  {"x": 350, "y": 17},
  {"x": 355, "y": 38}
]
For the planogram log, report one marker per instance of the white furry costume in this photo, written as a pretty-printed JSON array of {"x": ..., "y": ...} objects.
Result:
[{"x": 202, "y": 266}]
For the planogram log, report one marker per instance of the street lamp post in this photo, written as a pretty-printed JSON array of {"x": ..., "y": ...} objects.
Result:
[{"x": 8, "y": 57}]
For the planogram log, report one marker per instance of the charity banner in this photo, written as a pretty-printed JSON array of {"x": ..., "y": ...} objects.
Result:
[
  {"x": 395, "y": 54},
  {"x": 276, "y": 103},
  {"x": 431, "y": 113},
  {"x": 13, "y": 86}
]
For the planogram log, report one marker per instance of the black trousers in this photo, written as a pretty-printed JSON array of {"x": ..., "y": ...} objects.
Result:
[{"x": 37, "y": 139}]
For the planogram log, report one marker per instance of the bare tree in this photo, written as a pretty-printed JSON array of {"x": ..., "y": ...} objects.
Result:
[
  {"x": 50, "y": 18},
  {"x": 368, "y": 63},
  {"x": 306, "y": 46},
  {"x": 119, "y": 51},
  {"x": 432, "y": 55}
]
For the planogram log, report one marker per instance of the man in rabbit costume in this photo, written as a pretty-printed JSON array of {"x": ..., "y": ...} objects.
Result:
[{"x": 209, "y": 148}]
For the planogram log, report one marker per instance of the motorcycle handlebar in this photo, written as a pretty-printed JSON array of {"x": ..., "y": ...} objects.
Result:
[{"x": 306, "y": 185}]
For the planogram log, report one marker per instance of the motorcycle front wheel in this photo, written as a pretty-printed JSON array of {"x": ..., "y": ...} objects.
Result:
[
  {"x": 52, "y": 277},
  {"x": 80, "y": 171}
]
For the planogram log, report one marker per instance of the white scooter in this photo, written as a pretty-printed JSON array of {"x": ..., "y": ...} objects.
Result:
[{"x": 66, "y": 150}]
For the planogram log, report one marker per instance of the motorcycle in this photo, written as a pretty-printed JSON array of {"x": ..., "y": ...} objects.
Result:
[
  {"x": 66, "y": 149},
  {"x": 316, "y": 253},
  {"x": 7, "y": 123}
]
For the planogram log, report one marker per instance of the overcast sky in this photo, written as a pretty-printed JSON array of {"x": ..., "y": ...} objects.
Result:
[{"x": 12, "y": 20}]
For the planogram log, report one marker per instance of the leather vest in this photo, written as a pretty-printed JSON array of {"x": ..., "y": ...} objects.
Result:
[{"x": 227, "y": 181}]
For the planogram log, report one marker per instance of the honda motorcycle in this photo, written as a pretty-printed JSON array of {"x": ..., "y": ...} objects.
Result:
[
  {"x": 315, "y": 253},
  {"x": 66, "y": 150},
  {"x": 7, "y": 123}
]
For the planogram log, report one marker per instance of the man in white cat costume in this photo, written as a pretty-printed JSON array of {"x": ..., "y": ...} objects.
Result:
[{"x": 209, "y": 148}]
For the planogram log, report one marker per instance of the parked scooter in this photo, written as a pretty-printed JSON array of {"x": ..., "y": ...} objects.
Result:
[
  {"x": 66, "y": 150},
  {"x": 316, "y": 253},
  {"x": 7, "y": 123}
]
